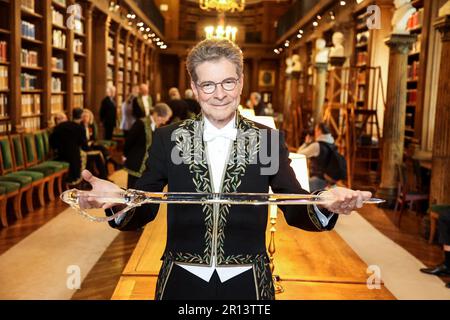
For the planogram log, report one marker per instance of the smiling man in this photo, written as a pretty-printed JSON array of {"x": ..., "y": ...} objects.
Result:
[{"x": 219, "y": 251}]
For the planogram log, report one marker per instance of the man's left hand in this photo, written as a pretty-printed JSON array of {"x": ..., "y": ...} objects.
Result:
[{"x": 345, "y": 200}]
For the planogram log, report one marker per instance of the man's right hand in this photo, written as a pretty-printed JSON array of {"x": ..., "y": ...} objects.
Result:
[{"x": 98, "y": 186}]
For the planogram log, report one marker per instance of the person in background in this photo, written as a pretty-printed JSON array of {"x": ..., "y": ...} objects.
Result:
[
  {"x": 127, "y": 111},
  {"x": 257, "y": 104},
  {"x": 442, "y": 269},
  {"x": 193, "y": 105},
  {"x": 143, "y": 103},
  {"x": 139, "y": 140},
  {"x": 68, "y": 139},
  {"x": 317, "y": 152},
  {"x": 108, "y": 112},
  {"x": 179, "y": 107}
]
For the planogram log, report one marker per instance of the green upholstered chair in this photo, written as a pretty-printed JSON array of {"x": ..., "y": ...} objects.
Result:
[
  {"x": 10, "y": 190},
  {"x": 8, "y": 175},
  {"x": 43, "y": 154},
  {"x": 39, "y": 179},
  {"x": 32, "y": 163}
]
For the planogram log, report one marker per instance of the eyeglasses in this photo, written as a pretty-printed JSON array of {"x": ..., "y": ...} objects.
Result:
[{"x": 209, "y": 87}]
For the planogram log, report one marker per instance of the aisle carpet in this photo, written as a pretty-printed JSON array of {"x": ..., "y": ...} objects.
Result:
[
  {"x": 41, "y": 265},
  {"x": 399, "y": 269}
]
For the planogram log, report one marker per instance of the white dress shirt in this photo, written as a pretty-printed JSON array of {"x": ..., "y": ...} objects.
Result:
[{"x": 217, "y": 152}]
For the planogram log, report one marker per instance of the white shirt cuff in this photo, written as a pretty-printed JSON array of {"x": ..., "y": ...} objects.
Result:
[{"x": 322, "y": 218}]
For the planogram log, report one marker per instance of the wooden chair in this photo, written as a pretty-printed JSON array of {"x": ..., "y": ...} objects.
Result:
[
  {"x": 39, "y": 180},
  {"x": 31, "y": 164},
  {"x": 43, "y": 154},
  {"x": 7, "y": 175},
  {"x": 11, "y": 191},
  {"x": 408, "y": 192},
  {"x": 435, "y": 211}
]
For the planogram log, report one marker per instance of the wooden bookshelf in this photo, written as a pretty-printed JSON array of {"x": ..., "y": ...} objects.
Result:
[
  {"x": 32, "y": 62},
  {"x": 48, "y": 65},
  {"x": 418, "y": 24},
  {"x": 5, "y": 66}
]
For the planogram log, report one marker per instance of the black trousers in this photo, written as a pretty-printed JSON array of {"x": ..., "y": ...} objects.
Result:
[
  {"x": 108, "y": 131},
  {"x": 183, "y": 285},
  {"x": 444, "y": 228}
]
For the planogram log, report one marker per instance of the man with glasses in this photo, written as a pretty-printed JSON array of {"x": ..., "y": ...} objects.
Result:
[{"x": 219, "y": 251}]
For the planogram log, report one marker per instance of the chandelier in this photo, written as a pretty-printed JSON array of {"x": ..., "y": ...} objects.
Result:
[
  {"x": 221, "y": 32},
  {"x": 222, "y": 5}
]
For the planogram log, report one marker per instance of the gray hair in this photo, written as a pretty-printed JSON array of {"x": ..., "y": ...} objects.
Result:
[
  {"x": 162, "y": 109},
  {"x": 257, "y": 96},
  {"x": 213, "y": 50},
  {"x": 189, "y": 94}
]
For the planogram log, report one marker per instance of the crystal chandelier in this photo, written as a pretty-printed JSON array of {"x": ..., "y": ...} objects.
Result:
[
  {"x": 222, "y": 5},
  {"x": 221, "y": 31}
]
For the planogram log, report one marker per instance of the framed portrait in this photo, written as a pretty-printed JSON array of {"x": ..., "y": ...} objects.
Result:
[{"x": 266, "y": 78}]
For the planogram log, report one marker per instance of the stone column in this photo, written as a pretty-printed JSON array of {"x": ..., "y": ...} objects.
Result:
[
  {"x": 395, "y": 114},
  {"x": 320, "y": 78},
  {"x": 440, "y": 174}
]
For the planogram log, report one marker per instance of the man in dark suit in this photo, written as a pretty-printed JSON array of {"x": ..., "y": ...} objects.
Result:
[
  {"x": 179, "y": 107},
  {"x": 143, "y": 103},
  {"x": 108, "y": 112},
  {"x": 194, "y": 106},
  {"x": 218, "y": 251},
  {"x": 68, "y": 139},
  {"x": 139, "y": 140}
]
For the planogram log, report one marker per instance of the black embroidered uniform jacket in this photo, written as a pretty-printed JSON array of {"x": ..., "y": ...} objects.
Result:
[{"x": 234, "y": 234}]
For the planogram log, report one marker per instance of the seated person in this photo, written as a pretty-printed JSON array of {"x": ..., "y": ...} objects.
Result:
[
  {"x": 317, "y": 150},
  {"x": 68, "y": 139},
  {"x": 442, "y": 269}
]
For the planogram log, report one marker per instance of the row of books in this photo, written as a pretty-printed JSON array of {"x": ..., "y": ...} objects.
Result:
[
  {"x": 76, "y": 67},
  {"x": 77, "y": 84},
  {"x": 109, "y": 57},
  {"x": 78, "y": 46},
  {"x": 56, "y": 84},
  {"x": 362, "y": 58},
  {"x": 31, "y": 124},
  {"x": 29, "y": 58},
  {"x": 59, "y": 39},
  {"x": 109, "y": 73},
  {"x": 57, "y": 17},
  {"x": 121, "y": 48},
  {"x": 3, "y": 105},
  {"x": 28, "y": 30},
  {"x": 411, "y": 96},
  {"x": 61, "y": 2},
  {"x": 110, "y": 42},
  {"x": 57, "y": 63},
  {"x": 3, "y": 77},
  {"x": 57, "y": 103},
  {"x": 27, "y": 5},
  {"x": 78, "y": 26},
  {"x": 120, "y": 76},
  {"x": 31, "y": 104},
  {"x": 413, "y": 70},
  {"x": 120, "y": 62},
  {"x": 415, "y": 20},
  {"x": 28, "y": 81},
  {"x": 417, "y": 45},
  {"x": 362, "y": 37},
  {"x": 78, "y": 101},
  {"x": 5, "y": 127},
  {"x": 3, "y": 51}
]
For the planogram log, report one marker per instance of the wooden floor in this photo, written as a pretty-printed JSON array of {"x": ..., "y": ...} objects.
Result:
[{"x": 103, "y": 278}]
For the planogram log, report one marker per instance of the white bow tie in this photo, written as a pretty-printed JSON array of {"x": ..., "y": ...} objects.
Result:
[{"x": 212, "y": 133}]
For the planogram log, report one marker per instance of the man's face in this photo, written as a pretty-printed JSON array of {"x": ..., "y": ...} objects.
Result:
[
  {"x": 144, "y": 90},
  {"x": 160, "y": 121},
  {"x": 218, "y": 107}
]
